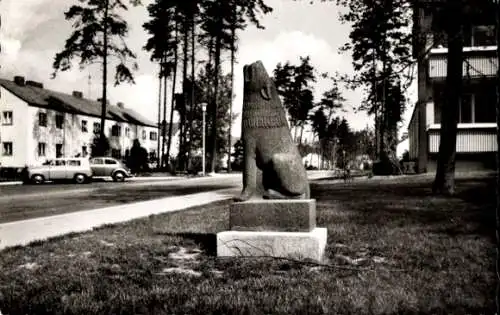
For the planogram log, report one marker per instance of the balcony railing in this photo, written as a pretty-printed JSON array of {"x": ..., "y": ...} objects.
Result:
[{"x": 476, "y": 66}]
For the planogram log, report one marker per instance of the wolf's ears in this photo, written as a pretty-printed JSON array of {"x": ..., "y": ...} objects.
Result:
[{"x": 265, "y": 91}]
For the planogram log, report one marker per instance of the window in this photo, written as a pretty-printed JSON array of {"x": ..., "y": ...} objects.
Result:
[
  {"x": 60, "y": 162},
  {"x": 59, "y": 150},
  {"x": 465, "y": 109},
  {"x": 42, "y": 119},
  {"x": 483, "y": 35},
  {"x": 116, "y": 153},
  {"x": 127, "y": 132},
  {"x": 7, "y": 149},
  {"x": 84, "y": 151},
  {"x": 439, "y": 39},
  {"x": 144, "y": 135},
  {"x": 109, "y": 162},
  {"x": 59, "y": 121},
  {"x": 84, "y": 126},
  {"x": 7, "y": 118},
  {"x": 116, "y": 131},
  {"x": 438, "y": 103},
  {"x": 484, "y": 106},
  {"x": 41, "y": 148},
  {"x": 97, "y": 128},
  {"x": 97, "y": 161},
  {"x": 477, "y": 107},
  {"x": 74, "y": 163},
  {"x": 476, "y": 35},
  {"x": 479, "y": 35},
  {"x": 48, "y": 162},
  {"x": 153, "y": 136}
]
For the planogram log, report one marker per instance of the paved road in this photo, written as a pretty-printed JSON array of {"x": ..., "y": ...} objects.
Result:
[{"x": 27, "y": 201}]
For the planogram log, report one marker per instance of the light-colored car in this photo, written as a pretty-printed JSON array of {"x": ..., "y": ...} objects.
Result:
[
  {"x": 76, "y": 169},
  {"x": 109, "y": 167}
]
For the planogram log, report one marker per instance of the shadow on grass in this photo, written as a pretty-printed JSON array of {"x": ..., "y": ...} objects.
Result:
[
  {"x": 206, "y": 241},
  {"x": 470, "y": 211}
]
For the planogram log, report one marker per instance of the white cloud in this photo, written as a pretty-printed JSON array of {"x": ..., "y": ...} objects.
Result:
[{"x": 21, "y": 18}]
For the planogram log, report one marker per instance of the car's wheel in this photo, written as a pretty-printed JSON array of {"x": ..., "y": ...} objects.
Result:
[
  {"x": 37, "y": 179},
  {"x": 119, "y": 176},
  {"x": 80, "y": 179}
]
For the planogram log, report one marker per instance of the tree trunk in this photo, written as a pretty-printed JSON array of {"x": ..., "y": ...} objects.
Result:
[
  {"x": 161, "y": 130},
  {"x": 102, "y": 133},
  {"x": 173, "y": 96},
  {"x": 375, "y": 101},
  {"x": 192, "y": 108},
  {"x": 183, "y": 110},
  {"x": 164, "y": 159},
  {"x": 444, "y": 182},
  {"x": 218, "y": 47},
  {"x": 233, "y": 52}
]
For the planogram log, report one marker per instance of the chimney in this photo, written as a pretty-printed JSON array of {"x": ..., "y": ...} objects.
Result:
[
  {"x": 121, "y": 105},
  {"x": 34, "y": 84},
  {"x": 77, "y": 94},
  {"x": 19, "y": 80}
]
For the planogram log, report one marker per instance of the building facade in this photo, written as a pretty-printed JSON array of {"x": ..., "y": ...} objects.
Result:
[
  {"x": 476, "y": 135},
  {"x": 37, "y": 124}
]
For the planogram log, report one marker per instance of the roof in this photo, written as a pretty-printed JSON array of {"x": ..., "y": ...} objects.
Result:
[{"x": 40, "y": 97}]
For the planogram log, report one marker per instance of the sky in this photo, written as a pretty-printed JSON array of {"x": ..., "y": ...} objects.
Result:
[{"x": 33, "y": 31}]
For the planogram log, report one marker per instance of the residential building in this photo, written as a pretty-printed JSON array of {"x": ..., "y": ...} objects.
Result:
[
  {"x": 38, "y": 124},
  {"x": 476, "y": 135}
]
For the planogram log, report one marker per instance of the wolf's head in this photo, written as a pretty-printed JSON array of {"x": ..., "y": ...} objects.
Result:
[
  {"x": 258, "y": 84},
  {"x": 261, "y": 104}
]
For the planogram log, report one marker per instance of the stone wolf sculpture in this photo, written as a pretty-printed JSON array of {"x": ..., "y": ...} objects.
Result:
[{"x": 268, "y": 144}]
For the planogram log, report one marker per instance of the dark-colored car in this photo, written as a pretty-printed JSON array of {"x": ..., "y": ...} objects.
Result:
[{"x": 109, "y": 167}]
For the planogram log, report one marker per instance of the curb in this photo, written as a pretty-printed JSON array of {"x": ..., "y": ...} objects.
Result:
[{"x": 10, "y": 184}]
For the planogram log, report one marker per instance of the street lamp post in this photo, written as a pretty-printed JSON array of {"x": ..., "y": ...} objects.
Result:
[{"x": 204, "y": 109}]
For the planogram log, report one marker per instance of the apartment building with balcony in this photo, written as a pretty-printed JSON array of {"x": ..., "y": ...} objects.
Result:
[
  {"x": 37, "y": 124},
  {"x": 476, "y": 135}
]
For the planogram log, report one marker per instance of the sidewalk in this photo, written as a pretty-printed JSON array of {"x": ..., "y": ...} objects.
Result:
[{"x": 26, "y": 231}]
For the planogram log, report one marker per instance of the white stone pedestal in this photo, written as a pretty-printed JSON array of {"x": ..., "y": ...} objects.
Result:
[{"x": 297, "y": 245}]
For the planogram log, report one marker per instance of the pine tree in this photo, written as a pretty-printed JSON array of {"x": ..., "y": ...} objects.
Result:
[{"x": 97, "y": 24}]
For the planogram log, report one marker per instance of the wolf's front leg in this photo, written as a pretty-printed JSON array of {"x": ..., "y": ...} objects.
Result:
[{"x": 249, "y": 171}]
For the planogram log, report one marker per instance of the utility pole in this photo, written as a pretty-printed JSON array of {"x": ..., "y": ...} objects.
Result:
[{"x": 161, "y": 128}]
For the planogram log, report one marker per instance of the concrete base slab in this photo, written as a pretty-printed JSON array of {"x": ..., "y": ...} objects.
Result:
[
  {"x": 287, "y": 215},
  {"x": 297, "y": 245}
]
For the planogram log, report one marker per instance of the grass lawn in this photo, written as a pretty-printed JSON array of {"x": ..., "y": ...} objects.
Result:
[{"x": 393, "y": 248}]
